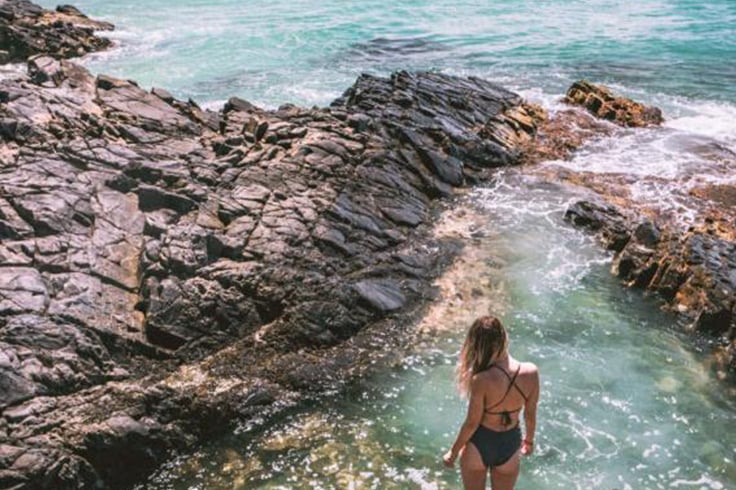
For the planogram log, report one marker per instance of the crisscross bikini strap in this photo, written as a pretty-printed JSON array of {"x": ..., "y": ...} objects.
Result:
[{"x": 512, "y": 382}]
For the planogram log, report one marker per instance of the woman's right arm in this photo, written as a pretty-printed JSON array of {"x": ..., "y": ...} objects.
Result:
[{"x": 530, "y": 415}]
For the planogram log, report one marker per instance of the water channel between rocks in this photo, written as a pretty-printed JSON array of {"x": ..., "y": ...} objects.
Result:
[{"x": 625, "y": 403}]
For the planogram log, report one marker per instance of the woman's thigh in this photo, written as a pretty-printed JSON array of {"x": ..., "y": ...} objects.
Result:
[
  {"x": 473, "y": 471},
  {"x": 504, "y": 477}
]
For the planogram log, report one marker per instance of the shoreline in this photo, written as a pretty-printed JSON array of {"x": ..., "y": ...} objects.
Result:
[{"x": 306, "y": 234}]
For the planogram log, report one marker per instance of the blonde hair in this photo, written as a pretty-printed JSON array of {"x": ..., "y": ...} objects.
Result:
[{"x": 485, "y": 343}]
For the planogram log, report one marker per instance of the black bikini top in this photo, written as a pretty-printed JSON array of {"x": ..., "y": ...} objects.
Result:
[{"x": 506, "y": 414}]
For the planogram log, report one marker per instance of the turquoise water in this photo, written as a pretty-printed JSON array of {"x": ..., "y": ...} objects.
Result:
[
  {"x": 626, "y": 403},
  {"x": 308, "y": 52}
]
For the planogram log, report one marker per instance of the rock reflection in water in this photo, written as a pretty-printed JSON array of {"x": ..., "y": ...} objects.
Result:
[{"x": 383, "y": 48}]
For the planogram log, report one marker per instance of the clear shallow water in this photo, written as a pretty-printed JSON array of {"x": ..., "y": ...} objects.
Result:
[{"x": 624, "y": 404}]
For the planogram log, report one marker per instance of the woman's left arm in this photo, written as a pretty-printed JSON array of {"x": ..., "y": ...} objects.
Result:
[{"x": 472, "y": 421}]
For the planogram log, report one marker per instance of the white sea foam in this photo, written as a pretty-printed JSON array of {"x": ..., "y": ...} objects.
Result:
[
  {"x": 715, "y": 120},
  {"x": 515, "y": 200},
  {"x": 420, "y": 478},
  {"x": 695, "y": 146},
  {"x": 703, "y": 482},
  {"x": 214, "y": 105}
]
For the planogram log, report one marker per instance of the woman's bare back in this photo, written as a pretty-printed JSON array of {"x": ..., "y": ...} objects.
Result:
[{"x": 507, "y": 391}]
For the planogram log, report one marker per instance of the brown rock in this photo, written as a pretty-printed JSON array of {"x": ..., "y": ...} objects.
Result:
[{"x": 600, "y": 102}]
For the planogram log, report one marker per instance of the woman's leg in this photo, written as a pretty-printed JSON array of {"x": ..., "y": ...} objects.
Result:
[
  {"x": 504, "y": 477},
  {"x": 473, "y": 470}
]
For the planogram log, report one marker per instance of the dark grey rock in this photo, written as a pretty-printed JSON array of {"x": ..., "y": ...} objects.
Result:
[
  {"x": 692, "y": 271},
  {"x": 45, "y": 70},
  {"x": 647, "y": 233},
  {"x": 612, "y": 224},
  {"x": 384, "y": 296}
]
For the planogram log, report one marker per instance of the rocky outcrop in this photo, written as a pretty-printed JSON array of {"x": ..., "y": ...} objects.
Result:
[
  {"x": 694, "y": 272},
  {"x": 559, "y": 134},
  {"x": 692, "y": 268},
  {"x": 600, "y": 102},
  {"x": 27, "y": 29},
  {"x": 167, "y": 270}
]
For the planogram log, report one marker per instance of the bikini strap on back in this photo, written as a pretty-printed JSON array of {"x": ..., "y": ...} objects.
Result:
[{"x": 508, "y": 388}]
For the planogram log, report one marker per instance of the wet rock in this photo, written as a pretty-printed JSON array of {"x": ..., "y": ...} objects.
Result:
[
  {"x": 558, "y": 136},
  {"x": 600, "y": 102},
  {"x": 384, "y": 296},
  {"x": 722, "y": 194},
  {"x": 647, "y": 233},
  {"x": 601, "y": 217}
]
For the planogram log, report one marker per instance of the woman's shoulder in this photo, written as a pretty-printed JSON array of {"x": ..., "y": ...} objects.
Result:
[
  {"x": 486, "y": 375},
  {"x": 528, "y": 368}
]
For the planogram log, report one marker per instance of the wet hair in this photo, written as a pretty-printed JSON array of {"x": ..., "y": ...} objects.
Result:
[{"x": 485, "y": 343}]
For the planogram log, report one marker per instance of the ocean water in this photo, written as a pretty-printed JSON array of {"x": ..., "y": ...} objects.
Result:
[
  {"x": 627, "y": 402},
  {"x": 308, "y": 52}
]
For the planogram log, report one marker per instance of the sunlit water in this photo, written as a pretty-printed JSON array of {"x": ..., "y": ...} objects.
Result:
[{"x": 625, "y": 402}]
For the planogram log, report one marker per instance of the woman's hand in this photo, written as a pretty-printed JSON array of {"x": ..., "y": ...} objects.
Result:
[
  {"x": 527, "y": 447},
  {"x": 449, "y": 459}
]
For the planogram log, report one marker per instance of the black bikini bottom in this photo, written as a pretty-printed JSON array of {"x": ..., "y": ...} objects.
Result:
[{"x": 496, "y": 448}]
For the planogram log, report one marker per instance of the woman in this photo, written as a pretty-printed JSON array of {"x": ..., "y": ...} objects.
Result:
[{"x": 498, "y": 387}]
